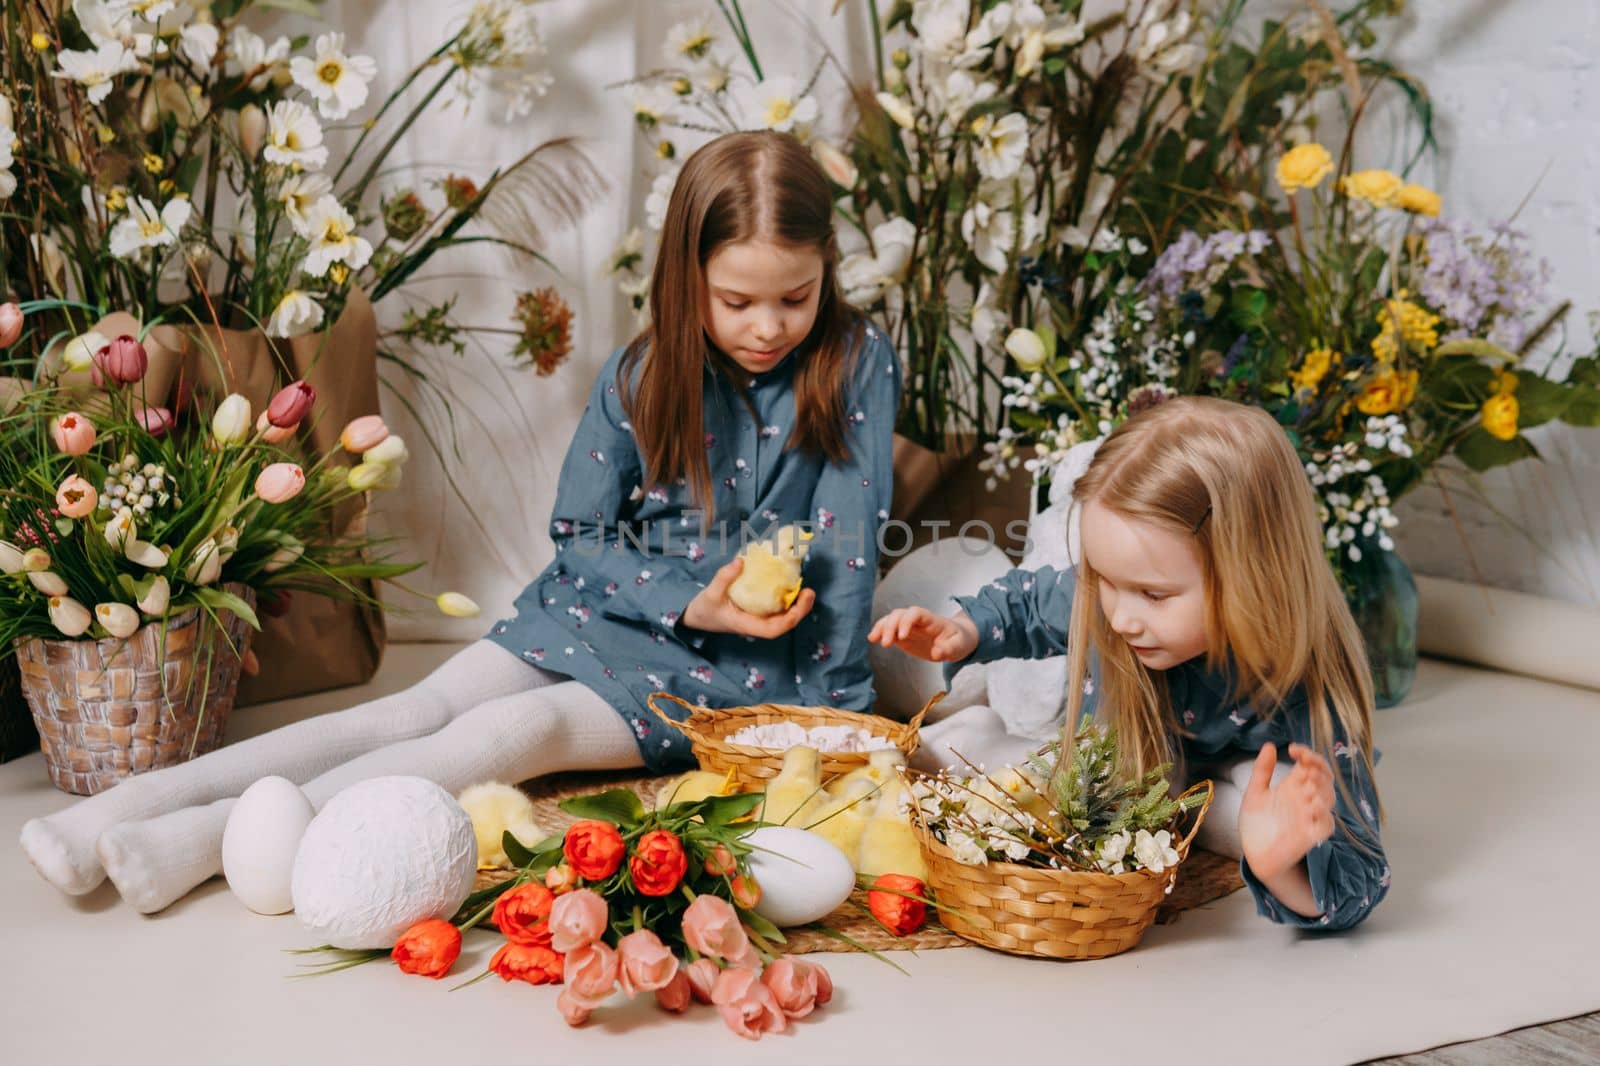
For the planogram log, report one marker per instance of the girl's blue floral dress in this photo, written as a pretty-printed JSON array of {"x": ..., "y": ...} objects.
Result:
[
  {"x": 1023, "y": 615},
  {"x": 607, "y": 610}
]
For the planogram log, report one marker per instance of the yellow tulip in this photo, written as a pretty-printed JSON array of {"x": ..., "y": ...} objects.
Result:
[{"x": 456, "y": 605}]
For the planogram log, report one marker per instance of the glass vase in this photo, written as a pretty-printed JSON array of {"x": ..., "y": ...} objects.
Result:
[{"x": 1383, "y": 598}]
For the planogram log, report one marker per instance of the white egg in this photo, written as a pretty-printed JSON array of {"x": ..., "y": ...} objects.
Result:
[
  {"x": 802, "y": 876},
  {"x": 259, "y": 844},
  {"x": 381, "y": 856}
]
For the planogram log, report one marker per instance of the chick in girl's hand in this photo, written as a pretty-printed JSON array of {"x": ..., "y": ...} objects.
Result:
[
  {"x": 495, "y": 810},
  {"x": 770, "y": 580},
  {"x": 888, "y": 843},
  {"x": 795, "y": 794}
]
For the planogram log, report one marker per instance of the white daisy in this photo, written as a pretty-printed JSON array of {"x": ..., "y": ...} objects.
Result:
[
  {"x": 653, "y": 106},
  {"x": 1002, "y": 145},
  {"x": 336, "y": 81},
  {"x": 690, "y": 41},
  {"x": 776, "y": 104},
  {"x": 655, "y": 205},
  {"x": 145, "y": 227},
  {"x": 295, "y": 314},
  {"x": 298, "y": 194},
  {"x": 94, "y": 70},
  {"x": 104, "y": 21},
  {"x": 333, "y": 239},
  {"x": 249, "y": 54},
  {"x": 294, "y": 138},
  {"x": 149, "y": 10}
]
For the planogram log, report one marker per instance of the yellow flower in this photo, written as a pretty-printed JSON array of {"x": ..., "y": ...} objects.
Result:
[
  {"x": 682, "y": 86},
  {"x": 117, "y": 198},
  {"x": 1313, "y": 368},
  {"x": 40, "y": 42},
  {"x": 1415, "y": 325},
  {"x": 455, "y": 605},
  {"x": 1380, "y": 188},
  {"x": 666, "y": 150},
  {"x": 1505, "y": 383},
  {"x": 106, "y": 134},
  {"x": 338, "y": 273},
  {"x": 153, "y": 163},
  {"x": 1388, "y": 392},
  {"x": 1304, "y": 167},
  {"x": 1500, "y": 415},
  {"x": 1419, "y": 200}
]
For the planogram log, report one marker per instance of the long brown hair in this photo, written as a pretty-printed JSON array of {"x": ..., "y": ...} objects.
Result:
[
  {"x": 1227, "y": 475},
  {"x": 740, "y": 187}
]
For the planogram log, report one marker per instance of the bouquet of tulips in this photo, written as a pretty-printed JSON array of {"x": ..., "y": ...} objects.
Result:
[
  {"x": 115, "y": 514},
  {"x": 633, "y": 901}
]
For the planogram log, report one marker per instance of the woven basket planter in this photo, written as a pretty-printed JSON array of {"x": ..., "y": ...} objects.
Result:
[
  {"x": 708, "y": 728},
  {"x": 1052, "y": 914},
  {"x": 109, "y": 709}
]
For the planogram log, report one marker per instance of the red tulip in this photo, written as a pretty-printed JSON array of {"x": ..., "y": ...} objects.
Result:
[
  {"x": 124, "y": 360},
  {"x": 291, "y": 404}
]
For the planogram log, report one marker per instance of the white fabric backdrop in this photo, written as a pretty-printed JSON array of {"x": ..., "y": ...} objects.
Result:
[{"x": 1511, "y": 81}]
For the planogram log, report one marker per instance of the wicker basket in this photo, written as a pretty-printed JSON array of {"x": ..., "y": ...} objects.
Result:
[
  {"x": 706, "y": 729},
  {"x": 1053, "y": 914},
  {"x": 109, "y": 709}
]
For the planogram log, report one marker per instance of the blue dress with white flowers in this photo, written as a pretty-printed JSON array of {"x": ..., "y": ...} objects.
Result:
[
  {"x": 1024, "y": 614},
  {"x": 607, "y": 610}
]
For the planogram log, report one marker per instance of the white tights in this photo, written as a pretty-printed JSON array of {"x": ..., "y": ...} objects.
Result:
[{"x": 484, "y": 715}]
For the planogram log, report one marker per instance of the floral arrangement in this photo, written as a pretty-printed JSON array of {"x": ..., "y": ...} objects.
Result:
[
  {"x": 164, "y": 159},
  {"x": 633, "y": 901},
  {"x": 1065, "y": 808},
  {"x": 116, "y": 515}
]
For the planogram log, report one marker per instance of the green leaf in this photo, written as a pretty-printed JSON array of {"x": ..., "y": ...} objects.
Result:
[
  {"x": 1480, "y": 349},
  {"x": 1540, "y": 400},
  {"x": 1584, "y": 409},
  {"x": 515, "y": 852},
  {"x": 1048, "y": 336},
  {"x": 717, "y": 811},
  {"x": 619, "y": 806},
  {"x": 761, "y": 926},
  {"x": 1482, "y": 451},
  {"x": 1585, "y": 371},
  {"x": 217, "y": 600},
  {"x": 299, "y": 7},
  {"x": 1249, "y": 307}
]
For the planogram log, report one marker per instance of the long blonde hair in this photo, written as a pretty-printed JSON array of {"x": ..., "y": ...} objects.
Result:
[
  {"x": 1227, "y": 475},
  {"x": 739, "y": 187}
]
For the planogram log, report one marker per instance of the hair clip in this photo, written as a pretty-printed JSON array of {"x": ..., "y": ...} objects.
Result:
[{"x": 1203, "y": 518}]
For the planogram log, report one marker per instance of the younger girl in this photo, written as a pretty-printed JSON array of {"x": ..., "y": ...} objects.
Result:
[
  {"x": 1205, "y": 623},
  {"x": 756, "y": 398}
]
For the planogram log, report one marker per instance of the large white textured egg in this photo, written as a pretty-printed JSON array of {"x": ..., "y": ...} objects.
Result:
[
  {"x": 802, "y": 876},
  {"x": 260, "y": 842},
  {"x": 381, "y": 856}
]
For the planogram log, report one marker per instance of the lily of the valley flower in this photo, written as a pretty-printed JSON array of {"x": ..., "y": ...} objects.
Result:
[
  {"x": 118, "y": 619},
  {"x": 456, "y": 605},
  {"x": 71, "y": 618},
  {"x": 337, "y": 82},
  {"x": 153, "y": 601},
  {"x": 145, "y": 227},
  {"x": 294, "y": 137},
  {"x": 230, "y": 424}
]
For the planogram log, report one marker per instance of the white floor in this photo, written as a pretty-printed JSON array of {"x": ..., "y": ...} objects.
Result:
[{"x": 1491, "y": 925}]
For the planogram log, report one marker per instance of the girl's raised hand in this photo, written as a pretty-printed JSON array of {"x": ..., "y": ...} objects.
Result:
[
  {"x": 1280, "y": 821},
  {"x": 711, "y": 611},
  {"x": 918, "y": 631}
]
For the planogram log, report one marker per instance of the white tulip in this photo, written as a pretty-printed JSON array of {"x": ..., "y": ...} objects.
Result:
[
  {"x": 121, "y": 529},
  {"x": 69, "y": 616},
  {"x": 231, "y": 422},
  {"x": 145, "y": 554},
  {"x": 228, "y": 542},
  {"x": 205, "y": 565},
  {"x": 292, "y": 549},
  {"x": 391, "y": 451},
  {"x": 456, "y": 605},
  {"x": 79, "y": 351},
  {"x": 366, "y": 476},
  {"x": 154, "y": 602},
  {"x": 118, "y": 619},
  {"x": 1026, "y": 348},
  {"x": 10, "y": 558},
  {"x": 391, "y": 479},
  {"x": 48, "y": 582}
]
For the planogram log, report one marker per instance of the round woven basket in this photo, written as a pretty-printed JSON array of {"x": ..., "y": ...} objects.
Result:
[
  {"x": 109, "y": 709},
  {"x": 707, "y": 729},
  {"x": 1052, "y": 914}
]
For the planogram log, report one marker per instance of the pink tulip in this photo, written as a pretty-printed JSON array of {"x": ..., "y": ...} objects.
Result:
[
  {"x": 291, "y": 404},
  {"x": 676, "y": 994},
  {"x": 73, "y": 433},
  {"x": 124, "y": 360},
  {"x": 155, "y": 420},
  {"x": 10, "y": 324},
  {"x": 796, "y": 985},
  {"x": 76, "y": 498},
  {"x": 362, "y": 433},
  {"x": 645, "y": 963},
  {"x": 702, "y": 974},
  {"x": 280, "y": 482},
  {"x": 577, "y": 919},
  {"x": 271, "y": 433},
  {"x": 573, "y": 1010},
  {"x": 590, "y": 974},
  {"x": 747, "y": 1005},
  {"x": 711, "y": 927}
]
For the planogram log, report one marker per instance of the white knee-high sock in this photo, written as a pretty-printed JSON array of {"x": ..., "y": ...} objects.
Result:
[
  {"x": 564, "y": 726},
  {"x": 62, "y": 846}
]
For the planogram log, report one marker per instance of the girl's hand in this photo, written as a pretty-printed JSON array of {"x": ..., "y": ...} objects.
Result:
[
  {"x": 712, "y": 612},
  {"x": 918, "y": 631},
  {"x": 1279, "y": 823}
]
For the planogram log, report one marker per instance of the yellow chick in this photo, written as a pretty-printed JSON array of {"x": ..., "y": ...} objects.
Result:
[
  {"x": 841, "y": 820},
  {"x": 888, "y": 843},
  {"x": 1023, "y": 786},
  {"x": 694, "y": 786},
  {"x": 770, "y": 580},
  {"x": 882, "y": 767},
  {"x": 794, "y": 796},
  {"x": 496, "y": 809}
]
